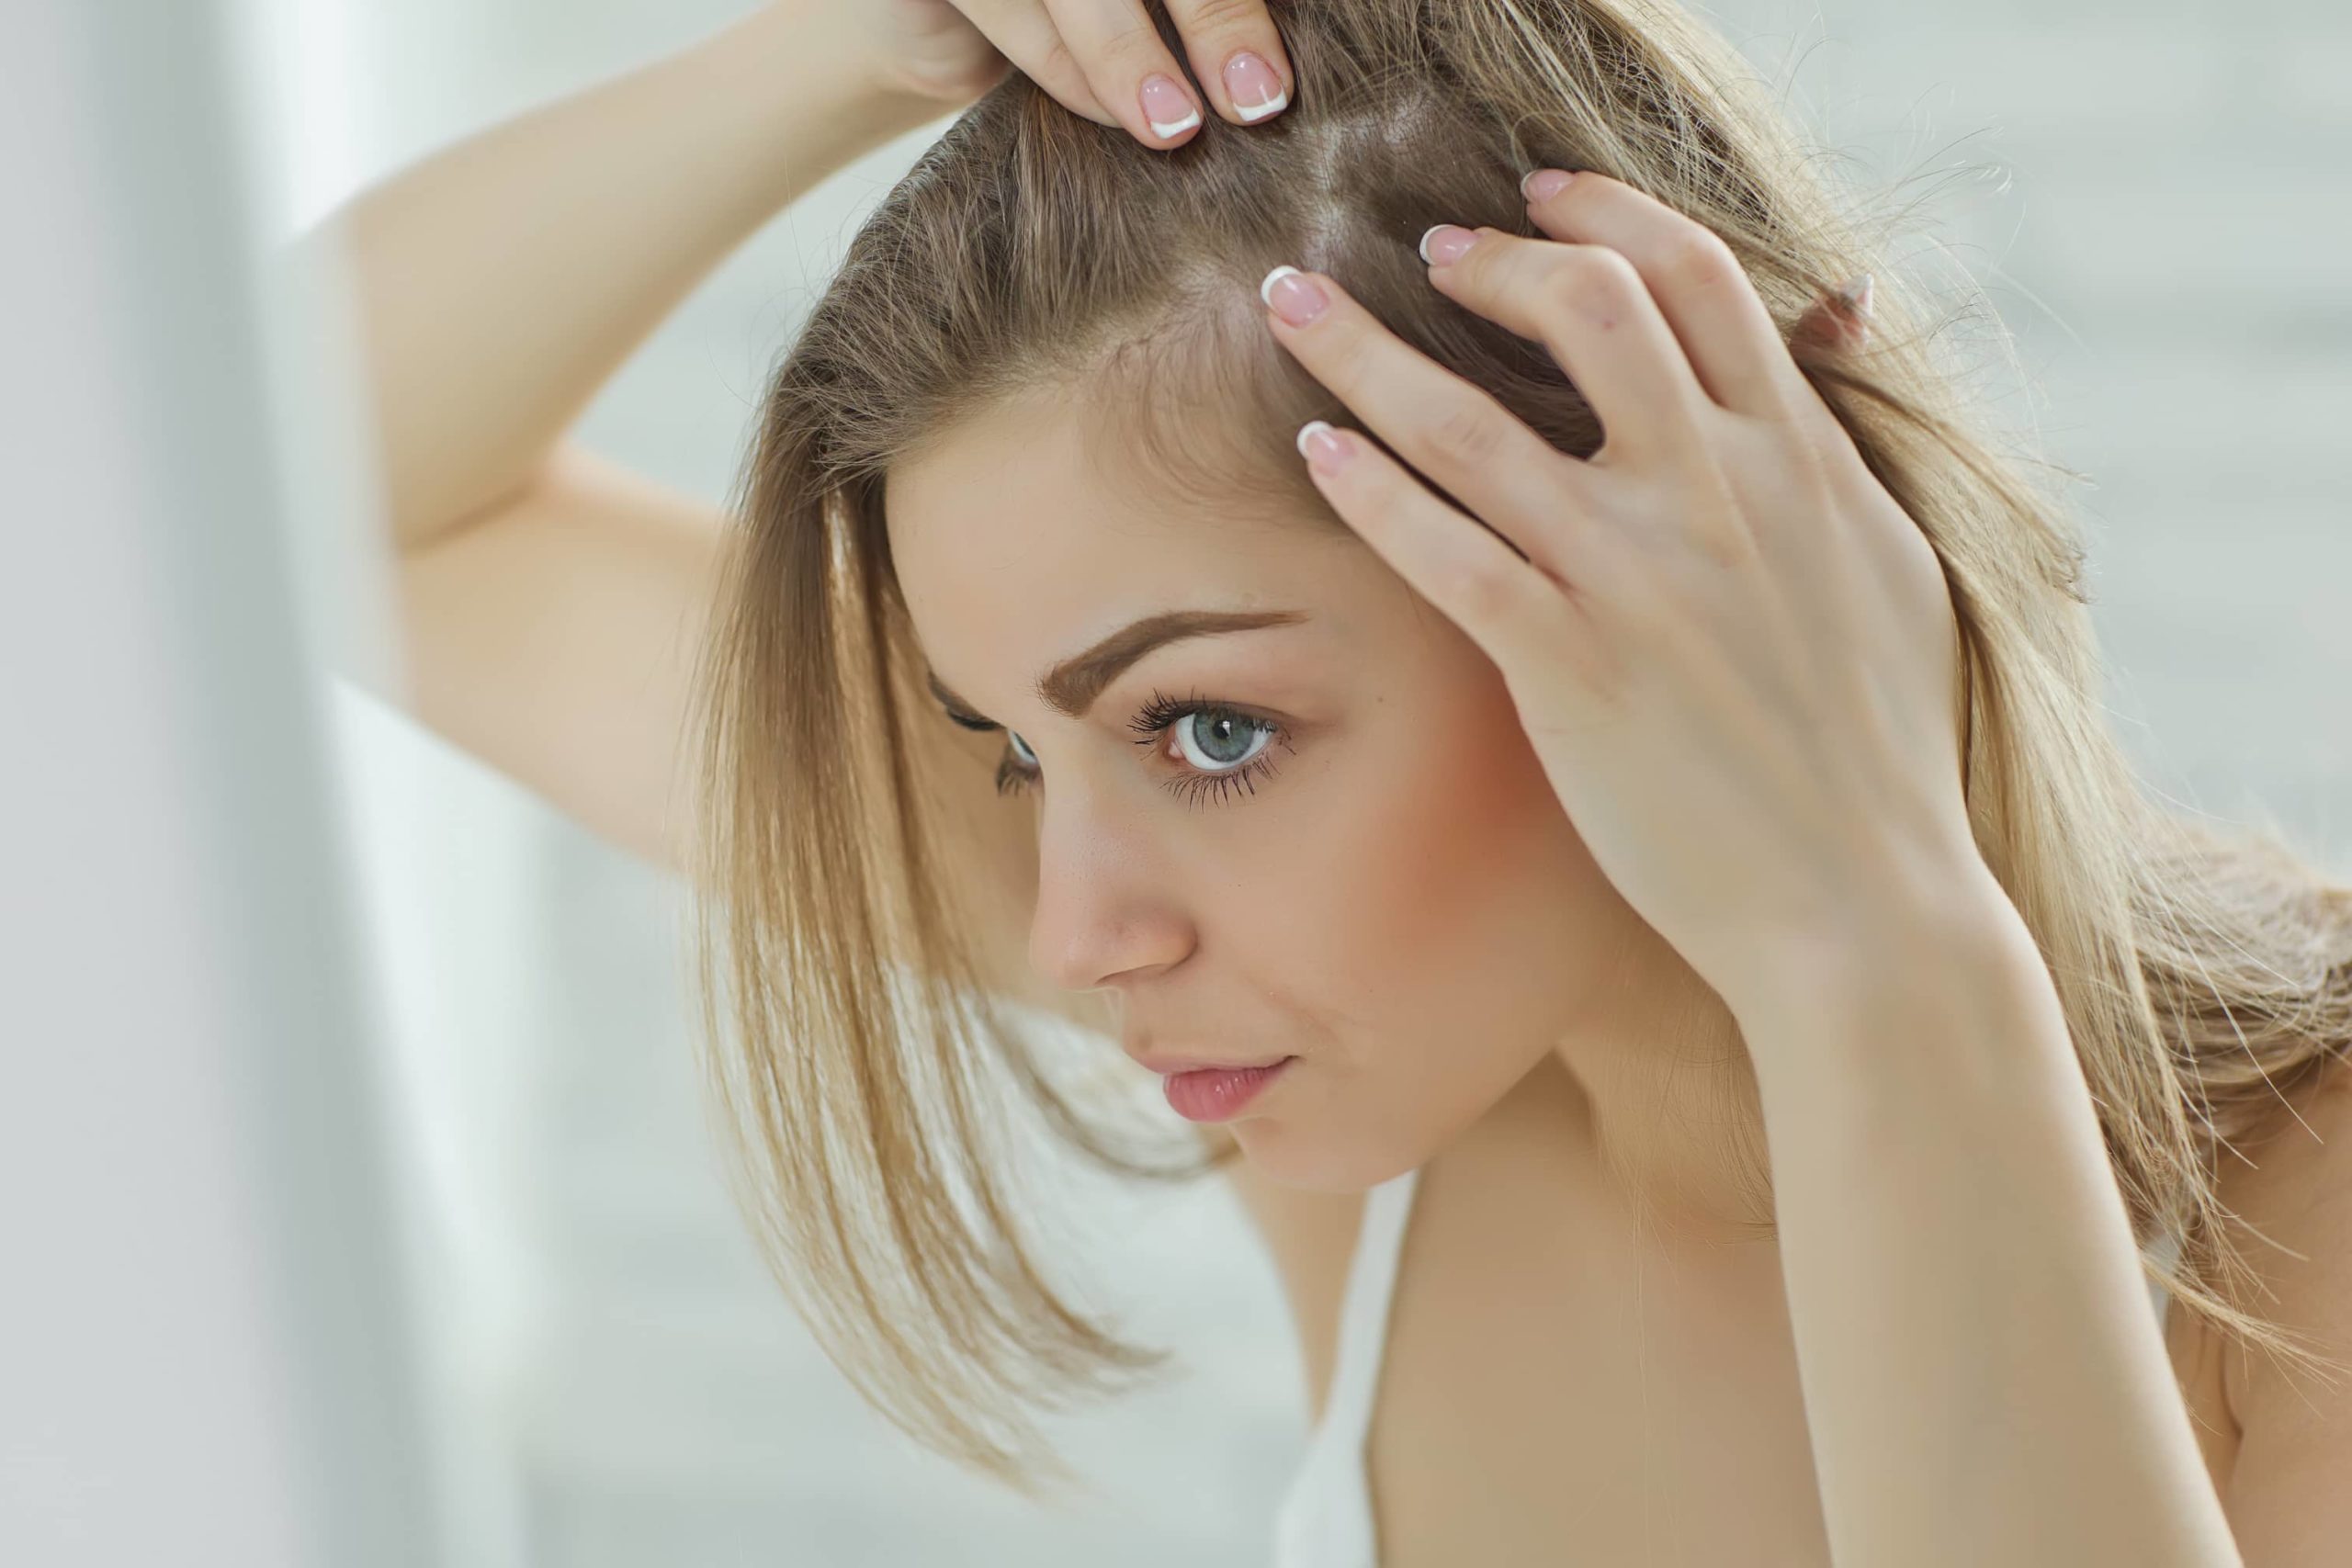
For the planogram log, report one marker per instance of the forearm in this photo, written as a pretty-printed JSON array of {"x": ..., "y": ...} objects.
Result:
[
  {"x": 498, "y": 283},
  {"x": 1983, "y": 1376}
]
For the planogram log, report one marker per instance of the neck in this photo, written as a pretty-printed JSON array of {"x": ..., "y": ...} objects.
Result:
[
  {"x": 1657, "y": 1095},
  {"x": 1674, "y": 1125}
]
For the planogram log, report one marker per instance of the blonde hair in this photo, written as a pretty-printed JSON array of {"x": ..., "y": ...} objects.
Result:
[{"x": 852, "y": 1044}]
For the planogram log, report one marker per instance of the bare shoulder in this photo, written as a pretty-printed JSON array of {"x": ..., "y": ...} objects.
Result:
[
  {"x": 2291, "y": 1204},
  {"x": 1311, "y": 1238},
  {"x": 2289, "y": 1189}
]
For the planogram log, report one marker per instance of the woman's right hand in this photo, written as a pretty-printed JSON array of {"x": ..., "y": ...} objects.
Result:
[{"x": 1102, "y": 59}]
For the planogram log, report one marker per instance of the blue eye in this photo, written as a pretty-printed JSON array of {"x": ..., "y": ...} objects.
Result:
[
  {"x": 1223, "y": 748},
  {"x": 1204, "y": 734}
]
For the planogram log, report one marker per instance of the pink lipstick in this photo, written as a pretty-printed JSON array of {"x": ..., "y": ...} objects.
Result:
[{"x": 1218, "y": 1094}]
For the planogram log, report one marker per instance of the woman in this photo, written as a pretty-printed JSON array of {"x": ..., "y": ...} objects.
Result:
[{"x": 1621, "y": 783}]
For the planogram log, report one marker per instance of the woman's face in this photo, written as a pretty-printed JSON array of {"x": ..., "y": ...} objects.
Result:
[{"x": 1353, "y": 858}]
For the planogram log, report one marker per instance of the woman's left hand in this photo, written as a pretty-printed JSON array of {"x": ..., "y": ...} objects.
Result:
[{"x": 1733, "y": 651}]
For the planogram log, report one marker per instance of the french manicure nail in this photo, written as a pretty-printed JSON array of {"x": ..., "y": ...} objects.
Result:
[
  {"x": 1167, "y": 107},
  {"x": 1254, "y": 89},
  {"x": 1292, "y": 295},
  {"x": 1445, "y": 242},
  {"x": 1321, "y": 448},
  {"x": 1543, "y": 185}
]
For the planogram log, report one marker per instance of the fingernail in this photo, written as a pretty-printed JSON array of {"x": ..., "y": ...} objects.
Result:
[
  {"x": 1323, "y": 450},
  {"x": 1856, "y": 293},
  {"x": 1292, "y": 295},
  {"x": 1543, "y": 185},
  {"x": 1167, "y": 107},
  {"x": 1445, "y": 242},
  {"x": 1253, "y": 87}
]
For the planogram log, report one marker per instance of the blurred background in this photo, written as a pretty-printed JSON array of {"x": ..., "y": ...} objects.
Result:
[{"x": 2155, "y": 196}]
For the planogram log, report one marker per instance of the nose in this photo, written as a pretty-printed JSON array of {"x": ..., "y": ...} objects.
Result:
[{"x": 1105, "y": 911}]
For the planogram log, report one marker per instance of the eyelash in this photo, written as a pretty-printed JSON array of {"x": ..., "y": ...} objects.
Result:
[{"x": 1153, "y": 720}]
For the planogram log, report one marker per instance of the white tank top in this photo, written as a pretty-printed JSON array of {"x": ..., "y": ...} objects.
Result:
[{"x": 1325, "y": 1520}]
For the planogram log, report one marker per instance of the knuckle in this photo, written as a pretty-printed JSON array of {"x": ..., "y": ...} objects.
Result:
[
  {"x": 1834, "y": 437},
  {"x": 1134, "y": 46},
  {"x": 1060, "y": 63},
  {"x": 1466, "y": 437},
  {"x": 1347, "y": 356},
  {"x": 1832, "y": 445},
  {"x": 1699, "y": 258},
  {"x": 1233, "y": 21},
  {"x": 1489, "y": 586},
  {"x": 1590, "y": 281},
  {"x": 1824, "y": 446}
]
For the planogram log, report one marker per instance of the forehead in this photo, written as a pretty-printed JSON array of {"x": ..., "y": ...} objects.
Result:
[{"x": 1021, "y": 534}]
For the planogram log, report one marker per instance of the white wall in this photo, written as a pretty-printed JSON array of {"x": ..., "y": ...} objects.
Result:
[{"x": 206, "y": 1344}]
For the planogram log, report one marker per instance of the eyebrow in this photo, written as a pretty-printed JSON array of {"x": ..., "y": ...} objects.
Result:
[{"x": 1071, "y": 686}]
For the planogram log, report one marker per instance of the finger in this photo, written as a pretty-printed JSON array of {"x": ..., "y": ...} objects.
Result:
[
  {"x": 1524, "y": 620},
  {"x": 1594, "y": 311},
  {"x": 1236, "y": 54},
  {"x": 1823, "y": 327},
  {"x": 1026, "y": 36},
  {"x": 1524, "y": 488},
  {"x": 1836, "y": 321},
  {"x": 1130, "y": 69},
  {"x": 1727, "y": 332}
]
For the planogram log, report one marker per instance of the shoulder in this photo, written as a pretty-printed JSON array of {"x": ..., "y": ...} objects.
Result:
[
  {"x": 2292, "y": 1185},
  {"x": 2291, "y": 1202}
]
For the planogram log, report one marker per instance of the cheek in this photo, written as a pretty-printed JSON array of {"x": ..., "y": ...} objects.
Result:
[{"x": 1455, "y": 884}]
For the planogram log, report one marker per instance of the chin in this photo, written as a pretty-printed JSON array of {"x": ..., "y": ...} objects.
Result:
[{"x": 1287, "y": 1155}]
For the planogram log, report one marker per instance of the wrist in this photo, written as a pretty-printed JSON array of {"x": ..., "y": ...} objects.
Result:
[
  {"x": 1908, "y": 949},
  {"x": 815, "y": 79}
]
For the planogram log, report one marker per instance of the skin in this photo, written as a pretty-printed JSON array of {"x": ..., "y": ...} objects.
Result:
[{"x": 1402, "y": 903}]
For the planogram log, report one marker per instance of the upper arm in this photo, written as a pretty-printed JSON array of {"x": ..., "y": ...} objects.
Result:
[
  {"x": 554, "y": 637},
  {"x": 2286, "y": 1500},
  {"x": 557, "y": 636}
]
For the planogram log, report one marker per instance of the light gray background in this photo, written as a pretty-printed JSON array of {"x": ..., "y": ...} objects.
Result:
[{"x": 2155, "y": 194}]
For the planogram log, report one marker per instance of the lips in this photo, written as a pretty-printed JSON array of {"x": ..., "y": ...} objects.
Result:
[{"x": 1168, "y": 1065}]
